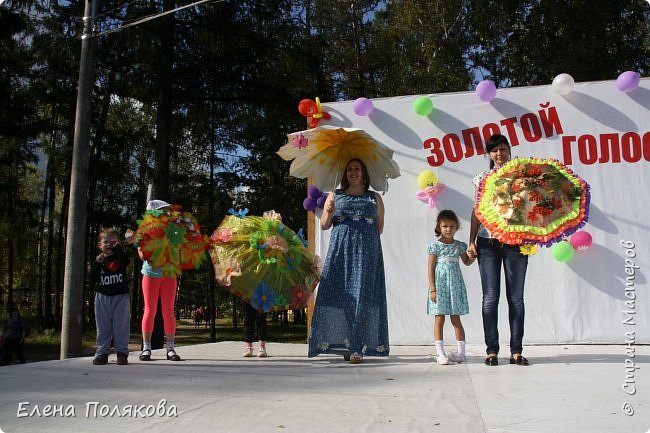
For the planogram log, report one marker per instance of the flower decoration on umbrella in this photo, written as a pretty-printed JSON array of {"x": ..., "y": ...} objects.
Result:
[
  {"x": 299, "y": 141},
  {"x": 532, "y": 200},
  {"x": 270, "y": 260},
  {"x": 171, "y": 239},
  {"x": 225, "y": 270}
]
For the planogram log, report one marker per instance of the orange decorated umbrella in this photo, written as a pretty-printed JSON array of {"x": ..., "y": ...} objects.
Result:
[
  {"x": 322, "y": 153},
  {"x": 171, "y": 239},
  {"x": 532, "y": 201}
]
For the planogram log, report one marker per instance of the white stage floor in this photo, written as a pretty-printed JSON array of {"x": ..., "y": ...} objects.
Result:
[{"x": 567, "y": 389}]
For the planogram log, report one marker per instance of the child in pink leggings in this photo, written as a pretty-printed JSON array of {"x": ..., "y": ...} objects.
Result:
[{"x": 155, "y": 285}]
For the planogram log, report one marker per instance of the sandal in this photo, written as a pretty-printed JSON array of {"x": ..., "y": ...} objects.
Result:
[
  {"x": 145, "y": 355},
  {"x": 356, "y": 358},
  {"x": 172, "y": 356},
  {"x": 519, "y": 360},
  {"x": 492, "y": 360}
]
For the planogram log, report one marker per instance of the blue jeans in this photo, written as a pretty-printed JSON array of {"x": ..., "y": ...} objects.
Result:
[
  {"x": 491, "y": 254},
  {"x": 113, "y": 319}
]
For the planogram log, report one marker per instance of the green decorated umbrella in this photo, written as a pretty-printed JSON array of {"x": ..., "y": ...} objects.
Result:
[{"x": 263, "y": 262}]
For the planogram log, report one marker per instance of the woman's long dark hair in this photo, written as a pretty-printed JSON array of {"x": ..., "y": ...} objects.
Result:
[
  {"x": 345, "y": 184},
  {"x": 493, "y": 142}
]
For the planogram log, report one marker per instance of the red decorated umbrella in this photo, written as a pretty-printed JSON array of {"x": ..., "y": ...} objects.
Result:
[{"x": 532, "y": 200}]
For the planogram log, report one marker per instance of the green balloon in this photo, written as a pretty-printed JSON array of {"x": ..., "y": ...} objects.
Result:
[
  {"x": 422, "y": 106},
  {"x": 562, "y": 251}
]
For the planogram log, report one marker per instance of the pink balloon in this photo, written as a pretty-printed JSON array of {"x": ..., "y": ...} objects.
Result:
[
  {"x": 628, "y": 81},
  {"x": 362, "y": 106},
  {"x": 486, "y": 90},
  {"x": 580, "y": 240}
]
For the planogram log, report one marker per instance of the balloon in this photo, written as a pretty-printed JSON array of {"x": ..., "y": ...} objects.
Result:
[
  {"x": 362, "y": 106},
  {"x": 309, "y": 204},
  {"x": 581, "y": 240},
  {"x": 486, "y": 90},
  {"x": 313, "y": 192},
  {"x": 562, "y": 251},
  {"x": 422, "y": 106},
  {"x": 563, "y": 84},
  {"x": 320, "y": 201},
  {"x": 628, "y": 81},
  {"x": 307, "y": 107},
  {"x": 427, "y": 178}
]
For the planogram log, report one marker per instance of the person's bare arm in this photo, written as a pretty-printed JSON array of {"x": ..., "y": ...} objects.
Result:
[
  {"x": 432, "y": 277},
  {"x": 380, "y": 213},
  {"x": 328, "y": 211},
  {"x": 473, "y": 232}
]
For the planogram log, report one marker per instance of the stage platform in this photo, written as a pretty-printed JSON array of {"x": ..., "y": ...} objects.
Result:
[{"x": 568, "y": 388}]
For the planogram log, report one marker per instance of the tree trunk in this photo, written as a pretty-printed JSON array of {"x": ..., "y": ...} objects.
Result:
[{"x": 163, "y": 134}]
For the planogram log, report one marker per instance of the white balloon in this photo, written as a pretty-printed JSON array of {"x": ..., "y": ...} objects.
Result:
[{"x": 563, "y": 84}]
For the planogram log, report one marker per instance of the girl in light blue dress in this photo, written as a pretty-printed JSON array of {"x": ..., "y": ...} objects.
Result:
[{"x": 447, "y": 293}]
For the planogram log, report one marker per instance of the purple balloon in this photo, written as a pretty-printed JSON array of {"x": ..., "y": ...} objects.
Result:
[
  {"x": 362, "y": 106},
  {"x": 309, "y": 204},
  {"x": 313, "y": 192},
  {"x": 628, "y": 81},
  {"x": 486, "y": 90},
  {"x": 320, "y": 201}
]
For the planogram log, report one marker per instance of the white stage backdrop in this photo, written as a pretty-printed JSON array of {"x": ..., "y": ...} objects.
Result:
[{"x": 601, "y": 133}]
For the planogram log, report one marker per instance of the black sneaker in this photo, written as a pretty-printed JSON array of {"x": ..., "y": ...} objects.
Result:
[
  {"x": 100, "y": 360},
  {"x": 122, "y": 359}
]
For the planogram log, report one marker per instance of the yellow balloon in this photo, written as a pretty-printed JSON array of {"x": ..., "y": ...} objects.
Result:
[{"x": 427, "y": 178}]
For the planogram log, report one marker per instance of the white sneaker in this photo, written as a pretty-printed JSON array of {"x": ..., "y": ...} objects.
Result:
[
  {"x": 261, "y": 352},
  {"x": 248, "y": 352},
  {"x": 442, "y": 360},
  {"x": 455, "y": 357}
]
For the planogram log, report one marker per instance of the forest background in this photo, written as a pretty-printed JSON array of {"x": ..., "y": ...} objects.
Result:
[{"x": 196, "y": 103}]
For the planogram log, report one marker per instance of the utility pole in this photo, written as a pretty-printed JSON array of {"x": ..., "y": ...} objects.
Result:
[
  {"x": 73, "y": 280},
  {"x": 73, "y": 284}
]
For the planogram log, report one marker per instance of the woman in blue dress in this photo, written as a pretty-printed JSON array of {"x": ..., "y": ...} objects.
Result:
[{"x": 350, "y": 315}]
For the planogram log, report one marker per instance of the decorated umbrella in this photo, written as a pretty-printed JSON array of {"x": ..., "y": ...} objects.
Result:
[
  {"x": 171, "y": 239},
  {"x": 263, "y": 262},
  {"x": 323, "y": 152},
  {"x": 532, "y": 200}
]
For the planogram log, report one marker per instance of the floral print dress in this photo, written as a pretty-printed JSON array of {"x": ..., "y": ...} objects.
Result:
[
  {"x": 451, "y": 294},
  {"x": 350, "y": 312}
]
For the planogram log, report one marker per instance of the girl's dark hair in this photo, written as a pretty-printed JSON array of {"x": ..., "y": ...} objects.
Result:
[
  {"x": 493, "y": 142},
  {"x": 448, "y": 215},
  {"x": 366, "y": 178}
]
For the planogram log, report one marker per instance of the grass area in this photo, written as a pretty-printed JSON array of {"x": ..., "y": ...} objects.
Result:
[{"x": 46, "y": 345}]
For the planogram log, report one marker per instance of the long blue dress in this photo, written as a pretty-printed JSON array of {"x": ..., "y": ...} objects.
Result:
[{"x": 350, "y": 312}]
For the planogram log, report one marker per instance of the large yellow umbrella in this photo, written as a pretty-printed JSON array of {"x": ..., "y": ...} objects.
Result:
[{"x": 324, "y": 151}]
